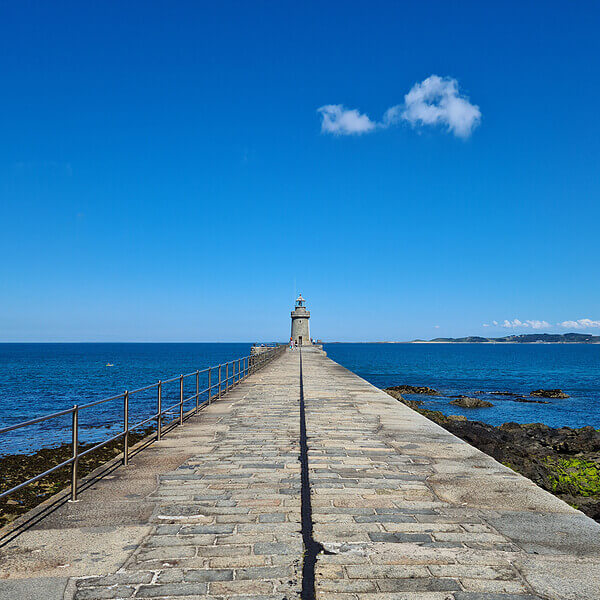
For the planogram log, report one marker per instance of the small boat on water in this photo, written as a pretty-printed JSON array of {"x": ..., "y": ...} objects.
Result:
[{"x": 109, "y": 365}]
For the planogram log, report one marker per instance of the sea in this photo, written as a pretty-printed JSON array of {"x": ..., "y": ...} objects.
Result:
[
  {"x": 477, "y": 369},
  {"x": 38, "y": 379}
]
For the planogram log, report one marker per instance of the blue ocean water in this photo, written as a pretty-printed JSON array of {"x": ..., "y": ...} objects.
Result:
[
  {"x": 38, "y": 379},
  {"x": 470, "y": 368}
]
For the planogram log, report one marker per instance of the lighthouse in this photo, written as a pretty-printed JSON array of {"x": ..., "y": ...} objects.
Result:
[{"x": 300, "y": 317}]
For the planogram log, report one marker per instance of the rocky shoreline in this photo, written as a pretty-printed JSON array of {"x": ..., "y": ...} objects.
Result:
[{"x": 563, "y": 461}]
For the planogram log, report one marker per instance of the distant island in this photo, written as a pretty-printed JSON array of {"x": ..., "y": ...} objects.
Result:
[{"x": 524, "y": 338}]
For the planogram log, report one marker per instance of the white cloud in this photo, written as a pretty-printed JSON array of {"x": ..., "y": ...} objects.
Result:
[
  {"x": 533, "y": 323},
  {"x": 434, "y": 101},
  {"x": 541, "y": 324},
  {"x": 579, "y": 324},
  {"x": 436, "y": 326},
  {"x": 538, "y": 324},
  {"x": 344, "y": 121},
  {"x": 513, "y": 323}
]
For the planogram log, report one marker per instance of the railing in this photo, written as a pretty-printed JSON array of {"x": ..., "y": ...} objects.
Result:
[{"x": 235, "y": 372}]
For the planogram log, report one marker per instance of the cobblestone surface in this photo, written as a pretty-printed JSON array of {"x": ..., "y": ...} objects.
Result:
[{"x": 227, "y": 521}]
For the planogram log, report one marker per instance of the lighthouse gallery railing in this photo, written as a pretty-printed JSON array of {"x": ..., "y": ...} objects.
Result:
[{"x": 220, "y": 379}]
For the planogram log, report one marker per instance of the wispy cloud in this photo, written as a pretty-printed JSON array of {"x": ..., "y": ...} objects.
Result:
[
  {"x": 344, "y": 121},
  {"x": 435, "y": 101},
  {"x": 541, "y": 324},
  {"x": 533, "y": 323},
  {"x": 579, "y": 324}
]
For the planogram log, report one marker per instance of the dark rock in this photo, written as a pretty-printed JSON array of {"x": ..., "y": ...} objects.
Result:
[
  {"x": 521, "y": 399},
  {"x": 466, "y": 402},
  {"x": 412, "y": 403},
  {"x": 396, "y": 394},
  {"x": 515, "y": 397},
  {"x": 413, "y": 389},
  {"x": 549, "y": 394},
  {"x": 457, "y": 418}
]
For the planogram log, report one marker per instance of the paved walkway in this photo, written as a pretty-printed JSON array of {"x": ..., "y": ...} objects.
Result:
[{"x": 396, "y": 508}]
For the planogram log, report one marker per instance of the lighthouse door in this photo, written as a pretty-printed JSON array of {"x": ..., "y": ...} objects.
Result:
[{"x": 299, "y": 340}]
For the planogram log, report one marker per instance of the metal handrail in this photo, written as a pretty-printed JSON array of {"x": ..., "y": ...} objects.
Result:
[
  {"x": 143, "y": 389},
  {"x": 251, "y": 363},
  {"x": 38, "y": 420},
  {"x": 96, "y": 402},
  {"x": 100, "y": 444}
]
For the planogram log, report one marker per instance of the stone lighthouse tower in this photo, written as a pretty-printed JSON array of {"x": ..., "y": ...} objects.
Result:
[{"x": 300, "y": 317}]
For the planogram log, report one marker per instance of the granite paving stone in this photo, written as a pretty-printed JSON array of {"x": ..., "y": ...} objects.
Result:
[{"x": 227, "y": 520}]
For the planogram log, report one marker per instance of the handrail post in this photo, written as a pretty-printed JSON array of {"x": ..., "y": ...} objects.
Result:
[
  {"x": 159, "y": 412},
  {"x": 126, "y": 428},
  {"x": 209, "y": 385},
  {"x": 197, "y": 388},
  {"x": 181, "y": 399},
  {"x": 226, "y": 376},
  {"x": 233, "y": 373},
  {"x": 220, "y": 381},
  {"x": 75, "y": 463},
  {"x": 239, "y": 368}
]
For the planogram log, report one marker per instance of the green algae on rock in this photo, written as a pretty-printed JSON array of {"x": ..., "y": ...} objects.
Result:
[{"x": 574, "y": 476}]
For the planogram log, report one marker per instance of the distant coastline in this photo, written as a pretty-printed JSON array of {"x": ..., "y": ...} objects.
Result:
[{"x": 525, "y": 338}]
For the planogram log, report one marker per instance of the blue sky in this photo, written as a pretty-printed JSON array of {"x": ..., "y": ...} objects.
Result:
[{"x": 164, "y": 175}]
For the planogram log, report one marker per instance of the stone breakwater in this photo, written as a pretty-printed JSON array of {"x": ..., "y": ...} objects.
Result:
[
  {"x": 400, "y": 509},
  {"x": 563, "y": 461}
]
